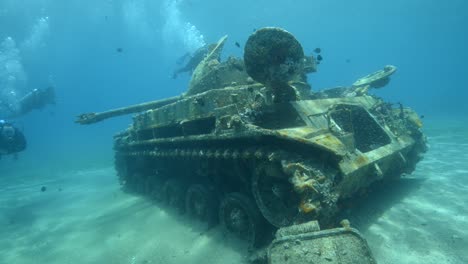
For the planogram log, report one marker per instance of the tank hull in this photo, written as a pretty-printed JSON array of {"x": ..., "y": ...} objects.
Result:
[{"x": 295, "y": 160}]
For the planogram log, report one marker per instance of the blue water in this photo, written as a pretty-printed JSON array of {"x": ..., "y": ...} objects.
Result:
[
  {"x": 75, "y": 48},
  {"x": 73, "y": 45}
]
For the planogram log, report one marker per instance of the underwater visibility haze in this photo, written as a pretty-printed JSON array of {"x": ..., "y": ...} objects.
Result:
[{"x": 61, "y": 198}]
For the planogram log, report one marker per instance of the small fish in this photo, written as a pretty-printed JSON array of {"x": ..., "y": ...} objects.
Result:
[
  {"x": 319, "y": 57},
  {"x": 347, "y": 60},
  {"x": 317, "y": 50},
  {"x": 119, "y": 50},
  {"x": 254, "y": 29},
  {"x": 422, "y": 116},
  {"x": 237, "y": 44},
  {"x": 43, "y": 189}
]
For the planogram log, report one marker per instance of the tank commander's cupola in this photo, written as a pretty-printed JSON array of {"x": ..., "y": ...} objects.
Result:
[{"x": 274, "y": 57}]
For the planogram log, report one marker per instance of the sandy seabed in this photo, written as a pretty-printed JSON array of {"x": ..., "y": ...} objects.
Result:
[{"x": 84, "y": 217}]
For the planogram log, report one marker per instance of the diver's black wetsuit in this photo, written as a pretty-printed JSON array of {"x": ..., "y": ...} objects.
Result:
[{"x": 13, "y": 143}]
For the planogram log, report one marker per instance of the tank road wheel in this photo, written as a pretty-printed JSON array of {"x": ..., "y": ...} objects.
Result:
[
  {"x": 138, "y": 183},
  {"x": 122, "y": 169},
  {"x": 201, "y": 203},
  {"x": 239, "y": 215},
  {"x": 172, "y": 194},
  {"x": 275, "y": 196},
  {"x": 153, "y": 188}
]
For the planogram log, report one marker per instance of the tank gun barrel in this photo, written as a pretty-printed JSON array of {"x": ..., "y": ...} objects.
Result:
[{"x": 90, "y": 118}]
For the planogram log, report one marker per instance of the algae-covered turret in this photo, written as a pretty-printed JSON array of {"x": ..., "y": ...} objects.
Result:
[{"x": 252, "y": 147}]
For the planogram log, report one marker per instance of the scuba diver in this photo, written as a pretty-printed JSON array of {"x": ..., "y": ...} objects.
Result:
[
  {"x": 35, "y": 99},
  {"x": 194, "y": 59},
  {"x": 12, "y": 139}
]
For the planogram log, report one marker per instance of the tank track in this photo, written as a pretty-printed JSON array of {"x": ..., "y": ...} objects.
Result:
[{"x": 307, "y": 186}]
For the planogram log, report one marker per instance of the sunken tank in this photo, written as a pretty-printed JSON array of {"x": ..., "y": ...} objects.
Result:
[{"x": 249, "y": 144}]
